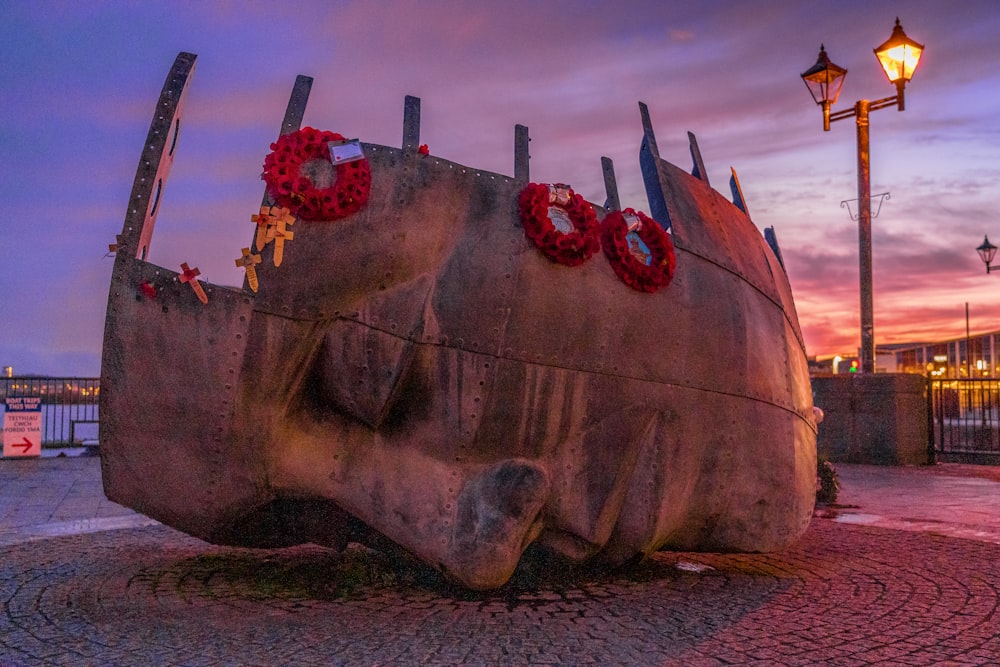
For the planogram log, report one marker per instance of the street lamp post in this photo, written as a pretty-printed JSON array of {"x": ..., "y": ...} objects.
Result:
[
  {"x": 986, "y": 252},
  {"x": 899, "y": 56}
]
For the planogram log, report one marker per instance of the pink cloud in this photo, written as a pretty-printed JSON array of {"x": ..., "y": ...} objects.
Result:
[{"x": 82, "y": 82}]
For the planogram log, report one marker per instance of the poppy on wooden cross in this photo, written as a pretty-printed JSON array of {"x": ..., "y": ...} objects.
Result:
[
  {"x": 279, "y": 233},
  {"x": 248, "y": 260},
  {"x": 190, "y": 276},
  {"x": 264, "y": 222}
]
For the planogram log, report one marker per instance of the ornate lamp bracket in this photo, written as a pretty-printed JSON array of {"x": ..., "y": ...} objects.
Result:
[{"x": 882, "y": 196}]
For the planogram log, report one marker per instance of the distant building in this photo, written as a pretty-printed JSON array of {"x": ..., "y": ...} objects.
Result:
[
  {"x": 974, "y": 357},
  {"x": 885, "y": 362}
]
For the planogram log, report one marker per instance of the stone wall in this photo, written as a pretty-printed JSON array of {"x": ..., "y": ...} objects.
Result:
[{"x": 876, "y": 419}]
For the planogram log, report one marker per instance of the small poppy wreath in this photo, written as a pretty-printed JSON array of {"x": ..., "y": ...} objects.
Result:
[
  {"x": 301, "y": 177},
  {"x": 568, "y": 247},
  {"x": 633, "y": 271}
]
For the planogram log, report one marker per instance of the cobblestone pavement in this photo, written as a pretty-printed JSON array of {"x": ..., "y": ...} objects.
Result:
[{"x": 848, "y": 593}]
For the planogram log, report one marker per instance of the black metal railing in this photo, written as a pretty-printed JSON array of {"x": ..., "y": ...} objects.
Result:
[
  {"x": 965, "y": 420},
  {"x": 69, "y": 406}
]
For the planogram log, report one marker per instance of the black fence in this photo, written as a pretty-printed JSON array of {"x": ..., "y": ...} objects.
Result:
[
  {"x": 965, "y": 420},
  {"x": 965, "y": 414},
  {"x": 69, "y": 407}
]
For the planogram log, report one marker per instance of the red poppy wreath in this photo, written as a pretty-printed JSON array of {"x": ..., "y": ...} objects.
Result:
[
  {"x": 559, "y": 222},
  {"x": 301, "y": 177},
  {"x": 639, "y": 251}
]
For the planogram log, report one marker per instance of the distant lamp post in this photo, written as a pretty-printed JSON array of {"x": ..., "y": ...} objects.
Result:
[
  {"x": 898, "y": 56},
  {"x": 986, "y": 253}
]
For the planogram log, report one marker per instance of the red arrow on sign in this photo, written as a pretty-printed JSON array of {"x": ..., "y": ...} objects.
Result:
[{"x": 27, "y": 445}]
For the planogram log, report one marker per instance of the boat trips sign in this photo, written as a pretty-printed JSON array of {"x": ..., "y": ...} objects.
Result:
[{"x": 22, "y": 426}]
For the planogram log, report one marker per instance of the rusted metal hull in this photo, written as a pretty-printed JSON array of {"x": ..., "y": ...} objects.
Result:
[{"x": 419, "y": 371}]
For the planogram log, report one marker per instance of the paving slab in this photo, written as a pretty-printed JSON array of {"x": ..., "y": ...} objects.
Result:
[
  {"x": 915, "y": 581},
  {"x": 946, "y": 499}
]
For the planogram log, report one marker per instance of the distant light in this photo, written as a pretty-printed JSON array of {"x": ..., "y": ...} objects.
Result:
[{"x": 986, "y": 252}]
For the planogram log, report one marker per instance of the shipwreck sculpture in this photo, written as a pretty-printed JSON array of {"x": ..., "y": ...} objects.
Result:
[{"x": 418, "y": 370}]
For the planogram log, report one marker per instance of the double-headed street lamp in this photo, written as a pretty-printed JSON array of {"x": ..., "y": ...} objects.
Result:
[{"x": 898, "y": 56}]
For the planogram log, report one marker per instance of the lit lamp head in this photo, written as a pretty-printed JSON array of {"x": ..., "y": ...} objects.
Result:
[
  {"x": 824, "y": 81},
  {"x": 899, "y": 56},
  {"x": 986, "y": 252}
]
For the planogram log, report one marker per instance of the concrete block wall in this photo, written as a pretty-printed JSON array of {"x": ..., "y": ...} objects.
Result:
[{"x": 876, "y": 419}]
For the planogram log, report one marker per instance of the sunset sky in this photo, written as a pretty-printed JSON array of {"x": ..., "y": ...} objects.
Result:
[{"x": 78, "y": 83}]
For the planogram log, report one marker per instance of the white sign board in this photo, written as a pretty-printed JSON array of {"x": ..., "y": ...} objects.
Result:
[{"x": 22, "y": 426}]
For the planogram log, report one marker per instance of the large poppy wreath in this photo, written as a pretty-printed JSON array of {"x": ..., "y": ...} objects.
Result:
[
  {"x": 301, "y": 177},
  {"x": 639, "y": 251},
  {"x": 560, "y": 222}
]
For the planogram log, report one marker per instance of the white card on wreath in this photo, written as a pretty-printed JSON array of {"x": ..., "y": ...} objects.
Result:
[{"x": 348, "y": 150}]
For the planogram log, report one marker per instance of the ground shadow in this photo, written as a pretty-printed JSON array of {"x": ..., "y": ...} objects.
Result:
[{"x": 316, "y": 573}]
